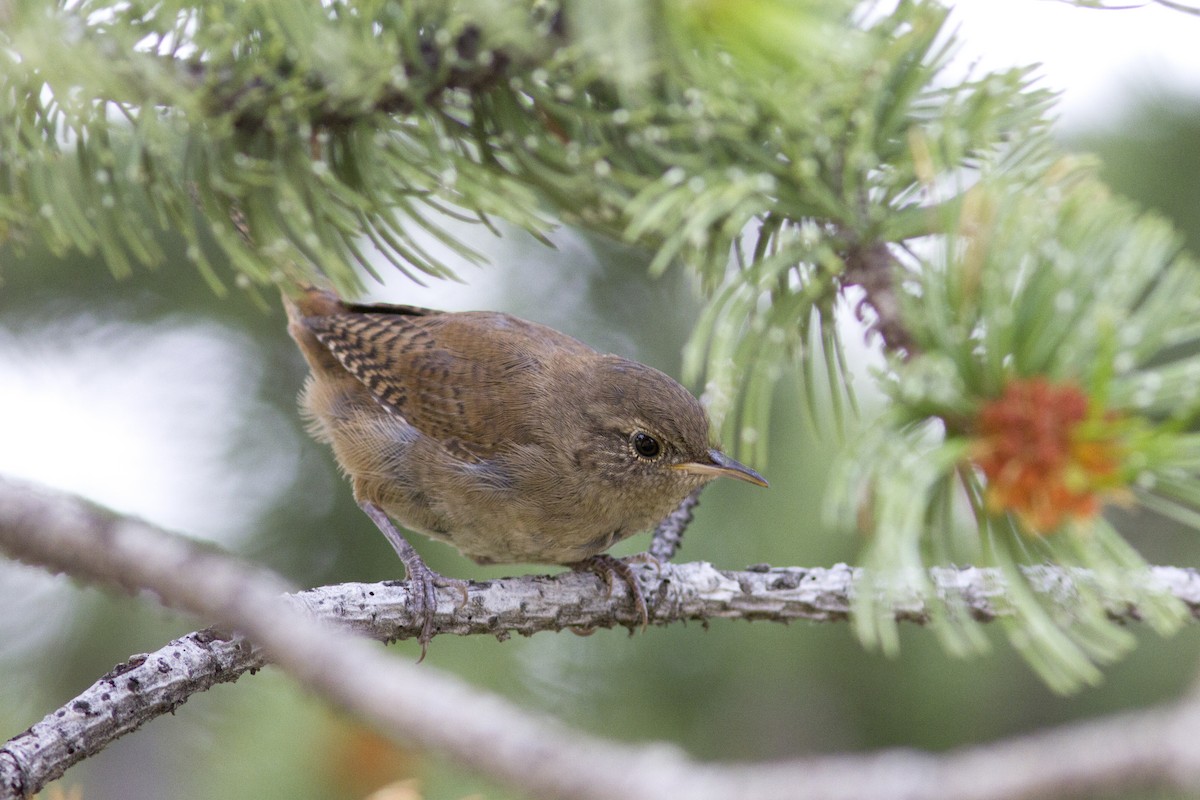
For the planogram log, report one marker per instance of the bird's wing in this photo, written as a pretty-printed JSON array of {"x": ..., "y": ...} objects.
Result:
[{"x": 461, "y": 378}]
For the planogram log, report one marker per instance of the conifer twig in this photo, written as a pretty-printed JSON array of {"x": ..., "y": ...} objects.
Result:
[{"x": 872, "y": 267}]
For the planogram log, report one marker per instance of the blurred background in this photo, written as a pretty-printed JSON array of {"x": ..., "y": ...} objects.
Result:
[{"x": 158, "y": 398}]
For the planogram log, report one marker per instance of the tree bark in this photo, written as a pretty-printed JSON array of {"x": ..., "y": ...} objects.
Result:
[{"x": 422, "y": 707}]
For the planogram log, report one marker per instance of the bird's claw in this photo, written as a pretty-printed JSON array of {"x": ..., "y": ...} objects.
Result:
[
  {"x": 423, "y": 582},
  {"x": 606, "y": 567},
  {"x": 423, "y": 585}
]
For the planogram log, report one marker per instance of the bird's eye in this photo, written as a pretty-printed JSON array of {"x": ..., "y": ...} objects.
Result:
[{"x": 645, "y": 445}]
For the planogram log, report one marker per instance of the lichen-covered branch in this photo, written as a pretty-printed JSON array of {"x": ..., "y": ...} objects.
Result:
[
  {"x": 668, "y": 536},
  {"x": 142, "y": 688},
  {"x": 423, "y": 707}
]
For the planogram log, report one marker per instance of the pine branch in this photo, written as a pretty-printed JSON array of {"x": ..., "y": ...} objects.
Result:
[
  {"x": 430, "y": 75},
  {"x": 67, "y": 533},
  {"x": 872, "y": 267}
]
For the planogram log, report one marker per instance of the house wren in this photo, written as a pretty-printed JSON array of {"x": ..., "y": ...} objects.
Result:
[{"x": 509, "y": 440}]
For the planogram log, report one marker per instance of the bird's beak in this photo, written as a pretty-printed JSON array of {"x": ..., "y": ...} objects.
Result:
[{"x": 722, "y": 466}]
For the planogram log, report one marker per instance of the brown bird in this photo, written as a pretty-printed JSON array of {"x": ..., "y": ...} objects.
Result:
[{"x": 509, "y": 440}]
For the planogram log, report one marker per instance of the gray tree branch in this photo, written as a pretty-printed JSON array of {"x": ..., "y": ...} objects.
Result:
[{"x": 423, "y": 707}]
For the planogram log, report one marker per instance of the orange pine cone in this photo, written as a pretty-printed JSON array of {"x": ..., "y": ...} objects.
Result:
[{"x": 1048, "y": 457}]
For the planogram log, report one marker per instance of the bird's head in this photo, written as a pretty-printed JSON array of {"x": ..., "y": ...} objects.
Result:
[{"x": 648, "y": 438}]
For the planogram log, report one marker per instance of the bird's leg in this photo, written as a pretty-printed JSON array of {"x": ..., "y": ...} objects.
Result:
[
  {"x": 606, "y": 566},
  {"x": 663, "y": 546},
  {"x": 422, "y": 580},
  {"x": 669, "y": 533}
]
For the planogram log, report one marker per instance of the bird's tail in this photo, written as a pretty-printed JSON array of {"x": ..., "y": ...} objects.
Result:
[
  {"x": 310, "y": 300},
  {"x": 302, "y": 303}
]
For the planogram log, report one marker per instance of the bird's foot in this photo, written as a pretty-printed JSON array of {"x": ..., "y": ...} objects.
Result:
[
  {"x": 423, "y": 582},
  {"x": 646, "y": 557},
  {"x": 606, "y": 567}
]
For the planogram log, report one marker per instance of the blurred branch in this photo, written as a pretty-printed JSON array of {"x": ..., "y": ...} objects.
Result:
[
  {"x": 1186, "y": 8},
  {"x": 871, "y": 266},
  {"x": 462, "y": 63},
  {"x": 421, "y": 706}
]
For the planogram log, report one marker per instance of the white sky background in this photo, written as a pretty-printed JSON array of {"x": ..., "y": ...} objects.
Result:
[
  {"x": 102, "y": 421},
  {"x": 1097, "y": 58}
]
